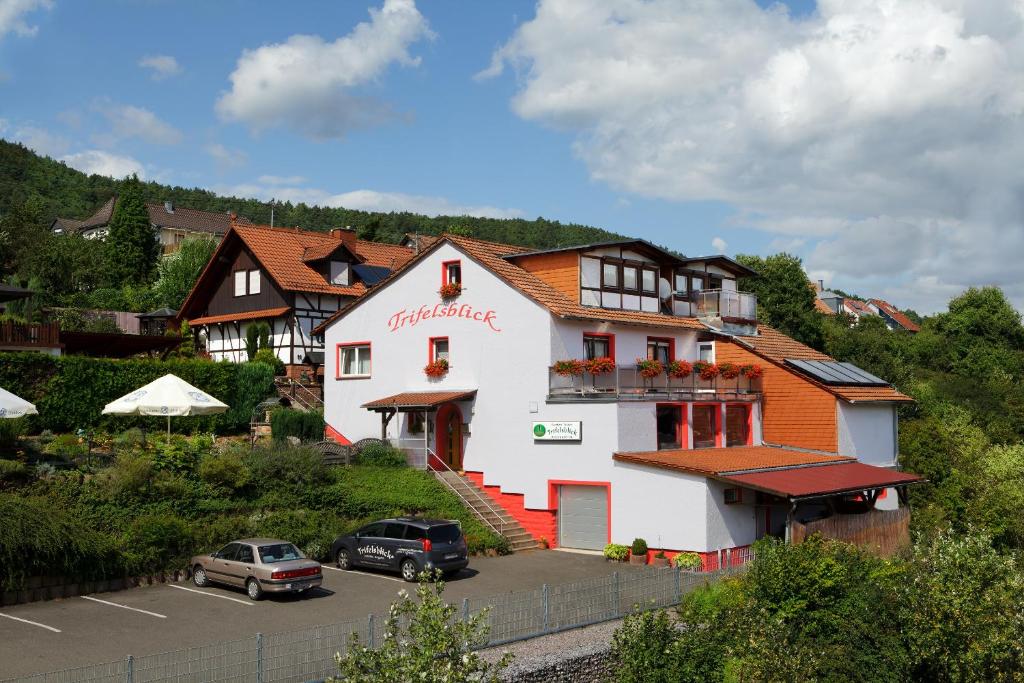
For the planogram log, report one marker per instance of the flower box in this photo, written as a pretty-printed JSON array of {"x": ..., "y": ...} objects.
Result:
[
  {"x": 438, "y": 368},
  {"x": 569, "y": 368},
  {"x": 705, "y": 370},
  {"x": 450, "y": 290},
  {"x": 600, "y": 366},
  {"x": 649, "y": 368},
  {"x": 679, "y": 369}
]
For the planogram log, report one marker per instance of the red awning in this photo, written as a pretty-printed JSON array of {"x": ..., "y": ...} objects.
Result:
[
  {"x": 822, "y": 480},
  {"x": 419, "y": 400}
]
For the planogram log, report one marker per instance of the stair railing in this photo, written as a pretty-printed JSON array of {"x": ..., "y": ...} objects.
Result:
[
  {"x": 312, "y": 402},
  {"x": 478, "y": 496}
]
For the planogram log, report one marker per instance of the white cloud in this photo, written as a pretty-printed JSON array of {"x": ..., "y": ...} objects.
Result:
[
  {"x": 128, "y": 121},
  {"x": 887, "y": 133},
  {"x": 38, "y": 139},
  {"x": 367, "y": 200},
  {"x": 281, "y": 180},
  {"x": 12, "y": 16},
  {"x": 104, "y": 163},
  {"x": 307, "y": 84},
  {"x": 226, "y": 158},
  {"x": 719, "y": 245},
  {"x": 162, "y": 66}
]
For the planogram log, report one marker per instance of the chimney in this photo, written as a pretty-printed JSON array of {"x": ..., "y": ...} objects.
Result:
[
  {"x": 821, "y": 285},
  {"x": 347, "y": 235},
  {"x": 169, "y": 207}
]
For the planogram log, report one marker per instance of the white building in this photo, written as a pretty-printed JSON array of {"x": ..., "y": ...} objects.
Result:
[{"x": 586, "y": 459}]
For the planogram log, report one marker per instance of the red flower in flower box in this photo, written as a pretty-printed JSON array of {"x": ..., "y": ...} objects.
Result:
[
  {"x": 450, "y": 290},
  {"x": 600, "y": 366},
  {"x": 649, "y": 368},
  {"x": 707, "y": 371},
  {"x": 679, "y": 369},
  {"x": 729, "y": 370},
  {"x": 569, "y": 368},
  {"x": 437, "y": 368},
  {"x": 752, "y": 371}
]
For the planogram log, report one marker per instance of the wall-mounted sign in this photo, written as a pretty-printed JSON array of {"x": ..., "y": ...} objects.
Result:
[
  {"x": 557, "y": 431},
  {"x": 411, "y": 318}
]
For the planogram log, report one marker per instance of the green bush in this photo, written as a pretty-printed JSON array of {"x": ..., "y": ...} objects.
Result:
[
  {"x": 67, "y": 446},
  {"x": 180, "y": 453},
  {"x": 225, "y": 470},
  {"x": 268, "y": 357},
  {"x": 643, "y": 649},
  {"x": 158, "y": 541},
  {"x": 13, "y": 472},
  {"x": 130, "y": 476},
  {"x": 639, "y": 547},
  {"x": 11, "y": 431},
  {"x": 294, "y": 469},
  {"x": 305, "y": 425},
  {"x": 689, "y": 561},
  {"x": 381, "y": 455},
  {"x": 133, "y": 439},
  {"x": 617, "y": 552}
]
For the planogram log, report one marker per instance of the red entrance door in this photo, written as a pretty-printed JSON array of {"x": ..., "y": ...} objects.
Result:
[{"x": 449, "y": 436}]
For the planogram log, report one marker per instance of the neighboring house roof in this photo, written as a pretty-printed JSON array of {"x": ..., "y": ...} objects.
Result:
[
  {"x": 419, "y": 399},
  {"x": 822, "y": 307},
  {"x": 161, "y": 216},
  {"x": 66, "y": 225},
  {"x": 100, "y": 218},
  {"x": 159, "y": 313},
  {"x": 247, "y": 315},
  {"x": 858, "y": 307},
  {"x": 776, "y": 347},
  {"x": 897, "y": 315},
  {"x": 721, "y": 461}
]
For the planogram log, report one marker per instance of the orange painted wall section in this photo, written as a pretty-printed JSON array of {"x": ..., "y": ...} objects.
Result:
[
  {"x": 795, "y": 412},
  {"x": 538, "y": 523},
  {"x": 561, "y": 270}
]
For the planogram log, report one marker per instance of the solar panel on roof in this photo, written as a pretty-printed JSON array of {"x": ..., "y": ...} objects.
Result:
[
  {"x": 836, "y": 373},
  {"x": 371, "y": 275}
]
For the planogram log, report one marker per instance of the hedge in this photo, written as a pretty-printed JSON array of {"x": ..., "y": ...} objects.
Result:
[
  {"x": 305, "y": 425},
  {"x": 70, "y": 391}
]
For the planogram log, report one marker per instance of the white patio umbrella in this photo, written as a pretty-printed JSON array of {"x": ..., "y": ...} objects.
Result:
[
  {"x": 170, "y": 396},
  {"x": 12, "y": 406}
]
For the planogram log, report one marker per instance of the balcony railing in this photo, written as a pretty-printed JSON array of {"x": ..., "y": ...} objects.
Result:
[
  {"x": 29, "y": 334},
  {"x": 626, "y": 384},
  {"x": 727, "y": 306}
]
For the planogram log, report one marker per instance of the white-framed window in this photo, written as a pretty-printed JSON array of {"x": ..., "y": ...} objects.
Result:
[
  {"x": 254, "y": 282},
  {"x": 629, "y": 278},
  {"x": 353, "y": 360},
  {"x": 340, "y": 273},
  {"x": 650, "y": 281},
  {"x": 706, "y": 351},
  {"x": 247, "y": 282},
  {"x": 240, "y": 283}
]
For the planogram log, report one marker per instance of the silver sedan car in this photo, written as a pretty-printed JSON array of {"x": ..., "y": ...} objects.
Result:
[{"x": 259, "y": 565}]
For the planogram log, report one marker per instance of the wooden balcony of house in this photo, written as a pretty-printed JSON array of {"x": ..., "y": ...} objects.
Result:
[
  {"x": 626, "y": 383},
  {"x": 28, "y": 336}
]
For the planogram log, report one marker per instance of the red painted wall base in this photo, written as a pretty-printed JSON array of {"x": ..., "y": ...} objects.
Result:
[
  {"x": 538, "y": 523},
  {"x": 336, "y": 436},
  {"x": 710, "y": 560}
]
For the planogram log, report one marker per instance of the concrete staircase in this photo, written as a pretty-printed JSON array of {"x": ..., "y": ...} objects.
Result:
[{"x": 488, "y": 511}]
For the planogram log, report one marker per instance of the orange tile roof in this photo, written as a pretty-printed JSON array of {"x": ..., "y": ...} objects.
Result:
[
  {"x": 281, "y": 251},
  {"x": 821, "y": 307},
  {"x": 247, "y": 315},
  {"x": 774, "y": 346},
  {"x": 420, "y": 399},
  {"x": 901, "y": 319},
  {"x": 720, "y": 461}
]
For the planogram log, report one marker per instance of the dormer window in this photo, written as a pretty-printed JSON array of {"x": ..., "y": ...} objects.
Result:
[
  {"x": 451, "y": 272},
  {"x": 341, "y": 273}
]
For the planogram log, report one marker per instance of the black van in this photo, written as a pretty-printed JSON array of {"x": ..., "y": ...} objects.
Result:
[{"x": 408, "y": 545}]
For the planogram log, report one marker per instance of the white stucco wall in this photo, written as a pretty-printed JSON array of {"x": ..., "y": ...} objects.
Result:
[
  {"x": 728, "y": 526},
  {"x": 867, "y": 431},
  {"x": 667, "y": 509}
]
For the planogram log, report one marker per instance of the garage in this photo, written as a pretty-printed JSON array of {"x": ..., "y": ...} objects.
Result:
[{"x": 582, "y": 517}]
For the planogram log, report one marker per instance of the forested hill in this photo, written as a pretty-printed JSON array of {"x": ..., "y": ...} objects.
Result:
[{"x": 69, "y": 193}]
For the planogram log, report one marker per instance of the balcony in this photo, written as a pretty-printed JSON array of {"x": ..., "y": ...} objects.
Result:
[
  {"x": 626, "y": 384},
  {"x": 16, "y": 335},
  {"x": 727, "y": 309}
]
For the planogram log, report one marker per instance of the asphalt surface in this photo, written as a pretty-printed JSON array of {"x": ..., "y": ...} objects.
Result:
[{"x": 105, "y": 627}]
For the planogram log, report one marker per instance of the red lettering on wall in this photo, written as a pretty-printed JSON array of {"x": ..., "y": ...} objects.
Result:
[{"x": 411, "y": 318}]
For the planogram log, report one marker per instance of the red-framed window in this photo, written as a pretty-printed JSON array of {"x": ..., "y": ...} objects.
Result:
[
  {"x": 671, "y": 426},
  {"x": 352, "y": 360},
  {"x": 437, "y": 349},
  {"x": 739, "y": 424},
  {"x": 451, "y": 272},
  {"x": 661, "y": 348},
  {"x": 598, "y": 345},
  {"x": 706, "y": 425}
]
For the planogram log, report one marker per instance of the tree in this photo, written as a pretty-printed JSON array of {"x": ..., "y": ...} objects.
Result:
[
  {"x": 785, "y": 299},
  {"x": 370, "y": 231},
  {"x": 132, "y": 247},
  {"x": 257, "y": 336},
  {"x": 63, "y": 265},
  {"x": 179, "y": 271},
  {"x": 20, "y": 230},
  {"x": 424, "y": 640}
]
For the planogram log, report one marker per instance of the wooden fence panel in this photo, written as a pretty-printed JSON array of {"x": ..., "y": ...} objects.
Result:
[{"x": 884, "y": 532}]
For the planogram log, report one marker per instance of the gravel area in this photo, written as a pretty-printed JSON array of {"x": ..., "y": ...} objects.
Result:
[{"x": 547, "y": 653}]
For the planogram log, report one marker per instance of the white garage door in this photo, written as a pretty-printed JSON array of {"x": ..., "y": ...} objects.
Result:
[{"x": 583, "y": 517}]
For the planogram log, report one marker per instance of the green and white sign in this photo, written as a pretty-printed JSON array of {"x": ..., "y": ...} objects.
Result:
[{"x": 557, "y": 431}]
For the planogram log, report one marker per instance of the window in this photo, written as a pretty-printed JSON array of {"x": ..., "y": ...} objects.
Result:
[
  {"x": 650, "y": 281},
  {"x": 245, "y": 554},
  {"x": 682, "y": 285},
  {"x": 671, "y": 426},
  {"x": 706, "y": 351},
  {"x": 696, "y": 283},
  {"x": 610, "y": 275},
  {"x": 629, "y": 278},
  {"x": 737, "y": 425},
  {"x": 598, "y": 346},
  {"x": 353, "y": 360},
  {"x": 705, "y": 426},
  {"x": 414, "y": 422},
  {"x": 254, "y": 282},
  {"x": 394, "y": 530},
  {"x": 660, "y": 349},
  {"x": 438, "y": 349},
  {"x": 415, "y": 533},
  {"x": 371, "y": 531},
  {"x": 340, "y": 273},
  {"x": 247, "y": 282},
  {"x": 732, "y": 496},
  {"x": 240, "y": 283},
  {"x": 451, "y": 272},
  {"x": 228, "y": 552}
]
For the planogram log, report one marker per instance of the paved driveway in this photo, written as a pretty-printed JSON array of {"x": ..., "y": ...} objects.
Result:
[{"x": 47, "y": 636}]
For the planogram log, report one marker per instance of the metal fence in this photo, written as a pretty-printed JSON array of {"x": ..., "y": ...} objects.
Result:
[{"x": 308, "y": 654}]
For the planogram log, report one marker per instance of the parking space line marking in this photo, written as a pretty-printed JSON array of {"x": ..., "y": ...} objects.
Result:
[
  {"x": 34, "y": 623},
  {"x": 359, "y": 573},
  {"x": 212, "y": 595},
  {"x": 115, "y": 604}
]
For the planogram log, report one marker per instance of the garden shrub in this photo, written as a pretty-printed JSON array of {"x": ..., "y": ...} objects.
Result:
[
  {"x": 639, "y": 547},
  {"x": 13, "y": 472},
  {"x": 304, "y": 425},
  {"x": 268, "y": 357},
  {"x": 180, "y": 453},
  {"x": 133, "y": 439},
  {"x": 158, "y": 541},
  {"x": 224, "y": 469},
  {"x": 67, "y": 446},
  {"x": 616, "y": 552},
  {"x": 381, "y": 455},
  {"x": 690, "y": 561},
  {"x": 11, "y": 431},
  {"x": 131, "y": 475},
  {"x": 293, "y": 468},
  {"x": 643, "y": 649}
]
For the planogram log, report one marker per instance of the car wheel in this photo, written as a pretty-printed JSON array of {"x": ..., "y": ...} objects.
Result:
[
  {"x": 199, "y": 577},
  {"x": 253, "y": 588},
  {"x": 409, "y": 570},
  {"x": 344, "y": 559}
]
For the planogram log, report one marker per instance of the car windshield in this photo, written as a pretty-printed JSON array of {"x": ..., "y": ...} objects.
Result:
[
  {"x": 279, "y": 552},
  {"x": 449, "y": 533}
]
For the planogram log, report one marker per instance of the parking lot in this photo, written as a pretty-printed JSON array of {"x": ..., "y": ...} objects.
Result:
[{"x": 59, "y": 634}]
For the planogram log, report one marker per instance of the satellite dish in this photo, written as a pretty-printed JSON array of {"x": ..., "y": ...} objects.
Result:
[{"x": 665, "y": 288}]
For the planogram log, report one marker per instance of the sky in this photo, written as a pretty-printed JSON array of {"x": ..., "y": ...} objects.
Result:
[{"x": 879, "y": 140}]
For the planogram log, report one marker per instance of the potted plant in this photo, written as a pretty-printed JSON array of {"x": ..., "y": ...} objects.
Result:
[
  {"x": 450, "y": 290},
  {"x": 649, "y": 368},
  {"x": 638, "y": 551},
  {"x": 689, "y": 562},
  {"x": 705, "y": 370},
  {"x": 729, "y": 370},
  {"x": 600, "y": 366},
  {"x": 679, "y": 369},
  {"x": 615, "y": 552},
  {"x": 660, "y": 559},
  {"x": 437, "y": 368},
  {"x": 569, "y": 368},
  {"x": 752, "y": 371}
]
